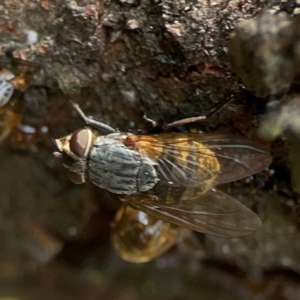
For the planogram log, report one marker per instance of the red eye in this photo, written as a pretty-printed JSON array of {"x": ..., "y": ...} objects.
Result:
[{"x": 80, "y": 142}]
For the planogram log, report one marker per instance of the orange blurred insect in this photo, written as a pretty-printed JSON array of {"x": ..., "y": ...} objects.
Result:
[
  {"x": 170, "y": 176},
  {"x": 138, "y": 237}
]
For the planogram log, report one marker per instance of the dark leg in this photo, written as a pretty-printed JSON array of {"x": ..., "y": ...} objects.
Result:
[
  {"x": 154, "y": 123},
  {"x": 199, "y": 118},
  {"x": 185, "y": 121},
  {"x": 93, "y": 123}
]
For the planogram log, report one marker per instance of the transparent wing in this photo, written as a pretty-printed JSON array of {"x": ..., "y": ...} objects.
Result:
[
  {"x": 197, "y": 159},
  {"x": 214, "y": 213}
]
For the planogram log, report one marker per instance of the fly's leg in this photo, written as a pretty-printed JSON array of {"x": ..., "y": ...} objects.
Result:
[
  {"x": 215, "y": 111},
  {"x": 176, "y": 123},
  {"x": 93, "y": 123},
  {"x": 185, "y": 121},
  {"x": 154, "y": 123},
  {"x": 199, "y": 118}
]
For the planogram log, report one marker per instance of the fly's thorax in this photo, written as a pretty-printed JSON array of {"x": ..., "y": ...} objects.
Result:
[
  {"x": 119, "y": 168},
  {"x": 74, "y": 150}
]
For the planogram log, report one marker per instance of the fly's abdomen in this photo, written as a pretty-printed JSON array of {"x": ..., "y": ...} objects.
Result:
[{"x": 117, "y": 168}]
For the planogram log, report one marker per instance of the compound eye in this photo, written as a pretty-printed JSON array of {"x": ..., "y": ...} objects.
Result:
[{"x": 80, "y": 142}]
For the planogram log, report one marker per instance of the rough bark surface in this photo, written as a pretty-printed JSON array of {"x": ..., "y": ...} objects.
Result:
[{"x": 168, "y": 59}]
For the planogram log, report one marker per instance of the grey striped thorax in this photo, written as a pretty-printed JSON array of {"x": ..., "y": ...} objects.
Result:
[{"x": 117, "y": 168}]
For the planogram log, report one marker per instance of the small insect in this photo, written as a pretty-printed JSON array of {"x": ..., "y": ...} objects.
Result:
[
  {"x": 6, "y": 90},
  {"x": 170, "y": 176},
  {"x": 138, "y": 237}
]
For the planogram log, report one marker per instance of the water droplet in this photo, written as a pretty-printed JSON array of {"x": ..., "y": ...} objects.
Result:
[
  {"x": 44, "y": 129},
  {"x": 26, "y": 128}
]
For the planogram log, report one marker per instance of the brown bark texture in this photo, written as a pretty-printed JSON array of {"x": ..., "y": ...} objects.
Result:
[{"x": 166, "y": 59}]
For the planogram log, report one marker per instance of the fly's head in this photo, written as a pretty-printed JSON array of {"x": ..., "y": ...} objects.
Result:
[{"x": 73, "y": 150}]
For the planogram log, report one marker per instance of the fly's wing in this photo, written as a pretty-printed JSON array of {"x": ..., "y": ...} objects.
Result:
[
  {"x": 200, "y": 159},
  {"x": 214, "y": 213},
  {"x": 238, "y": 157}
]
